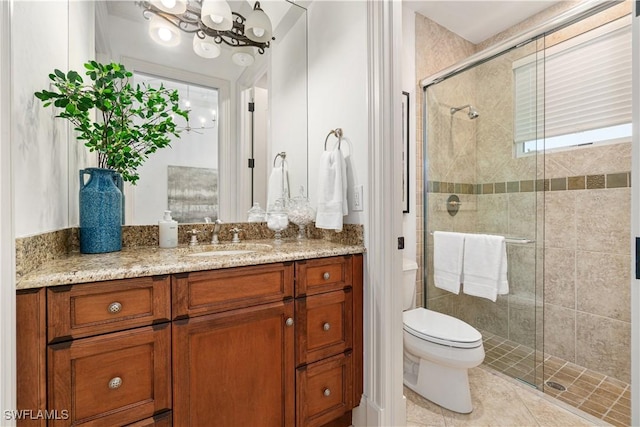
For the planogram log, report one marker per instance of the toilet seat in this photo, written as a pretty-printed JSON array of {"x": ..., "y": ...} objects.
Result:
[{"x": 440, "y": 328}]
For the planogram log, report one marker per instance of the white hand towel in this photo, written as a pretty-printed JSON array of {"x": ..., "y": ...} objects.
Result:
[
  {"x": 485, "y": 266},
  {"x": 447, "y": 260},
  {"x": 278, "y": 186},
  {"x": 332, "y": 190}
]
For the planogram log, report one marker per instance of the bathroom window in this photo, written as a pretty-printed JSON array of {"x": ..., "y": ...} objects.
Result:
[{"x": 575, "y": 93}]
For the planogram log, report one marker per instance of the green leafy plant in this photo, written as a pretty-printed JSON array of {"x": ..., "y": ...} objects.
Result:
[{"x": 132, "y": 121}]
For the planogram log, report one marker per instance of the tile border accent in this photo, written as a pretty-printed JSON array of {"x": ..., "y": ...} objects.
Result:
[{"x": 567, "y": 183}]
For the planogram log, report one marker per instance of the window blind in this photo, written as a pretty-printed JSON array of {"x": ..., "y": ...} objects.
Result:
[{"x": 582, "y": 84}]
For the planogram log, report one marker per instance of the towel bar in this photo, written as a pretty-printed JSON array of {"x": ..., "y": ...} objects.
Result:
[{"x": 515, "y": 240}]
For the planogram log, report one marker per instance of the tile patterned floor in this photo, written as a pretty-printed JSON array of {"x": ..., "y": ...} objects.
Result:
[
  {"x": 498, "y": 401},
  {"x": 596, "y": 394}
]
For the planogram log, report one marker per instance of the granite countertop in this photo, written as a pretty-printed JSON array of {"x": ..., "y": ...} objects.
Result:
[{"x": 149, "y": 261}]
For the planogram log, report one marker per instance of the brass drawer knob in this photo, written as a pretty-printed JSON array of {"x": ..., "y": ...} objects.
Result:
[
  {"x": 114, "y": 307},
  {"x": 326, "y": 276},
  {"x": 115, "y": 383},
  {"x": 289, "y": 321},
  {"x": 326, "y": 326},
  {"x": 326, "y": 392}
]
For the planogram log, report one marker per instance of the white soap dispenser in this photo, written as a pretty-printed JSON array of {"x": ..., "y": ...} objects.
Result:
[{"x": 168, "y": 231}]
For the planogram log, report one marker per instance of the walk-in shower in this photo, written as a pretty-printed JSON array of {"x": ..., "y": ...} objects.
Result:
[{"x": 565, "y": 325}]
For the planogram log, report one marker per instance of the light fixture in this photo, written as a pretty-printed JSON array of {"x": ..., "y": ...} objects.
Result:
[
  {"x": 212, "y": 21},
  {"x": 206, "y": 47},
  {"x": 243, "y": 56},
  {"x": 171, "y": 6},
  {"x": 216, "y": 14},
  {"x": 258, "y": 25},
  {"x": 163, "y": 33}
]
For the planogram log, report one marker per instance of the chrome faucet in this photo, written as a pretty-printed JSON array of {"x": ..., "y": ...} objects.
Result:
[{"x": 216, "y": 230}]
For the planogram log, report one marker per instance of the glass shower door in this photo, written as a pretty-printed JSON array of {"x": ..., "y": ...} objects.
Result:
[{"x": 478, "y": 179}]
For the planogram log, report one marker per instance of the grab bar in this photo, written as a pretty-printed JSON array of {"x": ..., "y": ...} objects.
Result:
[{"x": 514, "y": 240}]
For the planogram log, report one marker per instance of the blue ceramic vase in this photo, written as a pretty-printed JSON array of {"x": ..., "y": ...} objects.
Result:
[{"x": 100, "y": 211}]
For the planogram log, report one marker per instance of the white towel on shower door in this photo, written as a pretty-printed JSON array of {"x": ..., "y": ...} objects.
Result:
[
  {"x": 485, "y": 266},
  {"x": 447, "y": 260}
]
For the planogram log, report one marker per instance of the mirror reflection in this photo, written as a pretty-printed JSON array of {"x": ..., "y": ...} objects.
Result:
[{"x": 247, "y": 104}]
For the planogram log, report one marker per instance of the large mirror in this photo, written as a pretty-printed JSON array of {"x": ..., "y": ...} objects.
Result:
[{"x": 248, "y": 113}]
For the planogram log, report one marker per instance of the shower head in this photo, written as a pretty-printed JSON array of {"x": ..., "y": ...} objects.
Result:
[{"x": 472, "y": 114}]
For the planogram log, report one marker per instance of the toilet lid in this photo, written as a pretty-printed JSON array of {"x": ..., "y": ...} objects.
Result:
[{"x": 441, "y": 328}]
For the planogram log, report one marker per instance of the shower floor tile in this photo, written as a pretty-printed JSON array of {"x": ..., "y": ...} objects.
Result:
[{"x": 596, "y": 394}]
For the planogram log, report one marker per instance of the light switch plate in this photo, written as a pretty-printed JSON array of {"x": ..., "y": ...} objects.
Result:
[{"x": 358, "y": 194}]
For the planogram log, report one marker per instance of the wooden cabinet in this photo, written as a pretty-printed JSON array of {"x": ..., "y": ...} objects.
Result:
[
  {"x": 270, "y": 345},
  {"x": 235, "y": 368}
]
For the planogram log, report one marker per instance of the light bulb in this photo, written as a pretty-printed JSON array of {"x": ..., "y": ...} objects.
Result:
[
  {"x": 187, "y": 103},
  {"x": 169, "y": 4},
  {"x": 164, "y": 34},
  {"x": 243, "y": 59},
  {"x": 217, "y": 18},
  {"x": 259, "y": 32}
]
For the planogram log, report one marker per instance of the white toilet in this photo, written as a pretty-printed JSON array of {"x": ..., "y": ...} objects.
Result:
[{"x": 438, "y": 351}]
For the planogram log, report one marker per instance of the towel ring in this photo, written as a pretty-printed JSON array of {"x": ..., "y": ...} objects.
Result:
[
  {"x": 282, "y": 154},
  {"x": 338, "y": 134}
]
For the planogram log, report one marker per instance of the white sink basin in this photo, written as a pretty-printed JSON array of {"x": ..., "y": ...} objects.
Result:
[{"x": 222, "y": 253}]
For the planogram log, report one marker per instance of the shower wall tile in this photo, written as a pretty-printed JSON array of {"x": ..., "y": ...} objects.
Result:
[
  {"x": 603, "y": 220},
  {"x": 560, "y": 277},
  {"x": 603, "y": 345},
  {"x": 522, "y": 321},
  {"x": 493, "y": 214},
  {"x": 560, "y": 219},
  {"x": 522, "y": 270},
  {"x": 603, "y": 284},
  {"x": 492, "y": 316},
  {"x": 560, "y": 332},
  {"x": 521, "y": 215}
]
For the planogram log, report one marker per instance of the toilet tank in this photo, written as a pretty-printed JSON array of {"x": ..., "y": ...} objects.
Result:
[{"x": 409, "y": 268}]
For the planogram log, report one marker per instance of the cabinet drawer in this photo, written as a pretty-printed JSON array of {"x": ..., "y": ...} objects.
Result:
[
  {"x": 221, "y": 290},
  {"x": 324, "y": 390},
  {"x": 322, "y": 275},
  {"x": 324, "y": 325},
  {"x": 113, "y": 379},
  {"x": 96, "y": 308}
]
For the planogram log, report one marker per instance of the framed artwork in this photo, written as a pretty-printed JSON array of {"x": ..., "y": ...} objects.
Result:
[
  {"x": 192, "y": 193},
  {"x": 405, "y": 152}
]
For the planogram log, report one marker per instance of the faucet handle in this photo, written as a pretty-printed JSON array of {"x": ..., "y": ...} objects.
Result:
[
  {"x": 194, "y": 237},
  {"x": 235, "y": 231}
]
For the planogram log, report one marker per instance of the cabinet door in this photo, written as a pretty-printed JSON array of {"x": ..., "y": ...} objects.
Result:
[
  {"x": 235, "y": 368},
  {"x": 111, "y": 380}
]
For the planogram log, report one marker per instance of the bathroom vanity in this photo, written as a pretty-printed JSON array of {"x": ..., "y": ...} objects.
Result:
[{"x": 266, "y": 338}]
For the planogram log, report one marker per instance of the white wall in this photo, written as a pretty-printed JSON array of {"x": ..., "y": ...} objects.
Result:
[
  {"x": 409, "y": 84},
  {"x": 7, "y": 247},
  {"x": 39, "y": 142},
  {"x": 338, "y": 89}
]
